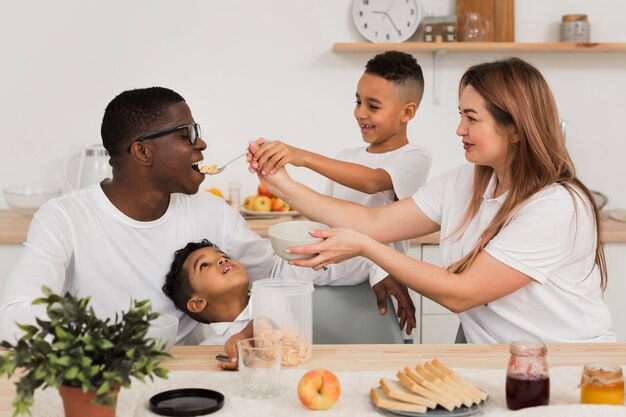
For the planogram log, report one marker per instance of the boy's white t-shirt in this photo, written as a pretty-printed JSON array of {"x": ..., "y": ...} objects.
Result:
[
  {"x": 552, "y": 239},
  {"x": 407, "y": 166},
  {"x": 220, "y": 332}
]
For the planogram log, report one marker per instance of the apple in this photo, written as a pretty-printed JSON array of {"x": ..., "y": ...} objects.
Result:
[
  {"x": 262, "y": 203},
  {"x": 319, "y": 389},
  {"x": 248, "y": 203},
  {"x": 279, "y": 205},
  {"x": 262, "y": 191}
]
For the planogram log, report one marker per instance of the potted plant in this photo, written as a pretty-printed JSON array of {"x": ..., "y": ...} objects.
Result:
[{"x": 74, "y": 350}]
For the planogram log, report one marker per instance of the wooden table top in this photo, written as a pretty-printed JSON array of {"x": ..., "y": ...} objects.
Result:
[
  {"x": 14, "y": 228},
  {"x": 386, "y": 357}
]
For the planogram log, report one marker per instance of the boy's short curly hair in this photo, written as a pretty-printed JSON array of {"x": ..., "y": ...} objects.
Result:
[
  {"x": 401, "y": 69},
  {"x": 177, "y": 286},
  {"x": 133, "y": 112}
]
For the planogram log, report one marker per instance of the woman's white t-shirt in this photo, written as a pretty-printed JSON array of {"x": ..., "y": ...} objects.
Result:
[{"x": 552, "y": 239}]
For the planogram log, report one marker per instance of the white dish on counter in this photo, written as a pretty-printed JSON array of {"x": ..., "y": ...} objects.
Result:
[{"x": 253, "y": 213}]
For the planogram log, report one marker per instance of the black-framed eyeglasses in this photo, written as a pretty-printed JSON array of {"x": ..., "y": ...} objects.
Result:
[{"x": 193, "y": 133}]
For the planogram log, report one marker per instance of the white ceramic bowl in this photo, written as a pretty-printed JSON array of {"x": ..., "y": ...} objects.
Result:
[
  {"x": 164, "y": 328},
  {"x": 295, "y": 233},
  {"x": 27, "y": 200}
]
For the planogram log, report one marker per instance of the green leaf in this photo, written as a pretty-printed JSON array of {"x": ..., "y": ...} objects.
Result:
[
  {"x": 72, "y": 372},
  {"x": 106, "y": 344},
  {"x": 161, "y": 372},
  {"x": 104, "y": 388},
  {"x": 130, "y": 353},
  {"x": 40, "y": 372},
  {"x": 61, "y": 334},
  {"x": 64, "y": 361}
]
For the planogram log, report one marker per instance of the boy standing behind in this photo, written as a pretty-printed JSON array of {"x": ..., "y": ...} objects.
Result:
[{"x": 389, "y": 168}]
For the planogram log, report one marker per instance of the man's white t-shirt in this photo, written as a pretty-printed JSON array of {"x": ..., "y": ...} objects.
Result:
[
  {"x": 82, "y": 243},
  {"x": 552, "y": 239},
  {"x": 407, "y": 166}
]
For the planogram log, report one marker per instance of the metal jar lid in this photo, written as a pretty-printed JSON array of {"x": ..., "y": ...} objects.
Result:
[{"x": 574, "y": 18}]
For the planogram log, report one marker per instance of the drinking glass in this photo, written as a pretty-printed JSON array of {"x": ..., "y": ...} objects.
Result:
[
  {"x": 234, "y": 192},
  {"x": 259, "y": 367}
]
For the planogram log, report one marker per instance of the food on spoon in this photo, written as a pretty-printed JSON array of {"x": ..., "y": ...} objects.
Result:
[
  {"x": 319, "y": 389},
  {"x": 208, "y": 169}
]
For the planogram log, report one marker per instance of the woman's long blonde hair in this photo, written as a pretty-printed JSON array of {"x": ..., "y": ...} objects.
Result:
[{"x": 519, "y": 99}]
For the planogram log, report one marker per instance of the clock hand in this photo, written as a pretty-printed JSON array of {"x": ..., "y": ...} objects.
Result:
[
  {"x": 390, "y": 19},
  {"x": 393, "y": 24},
  {"x": 390, "y": 5},
  {"x": 383, "y": 13}
]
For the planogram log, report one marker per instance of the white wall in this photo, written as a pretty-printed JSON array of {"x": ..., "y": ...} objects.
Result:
[{"x": 249, "y": 68}]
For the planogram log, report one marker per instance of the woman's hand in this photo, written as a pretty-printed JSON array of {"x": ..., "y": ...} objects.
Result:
[
  {"x": 338, "y": 245},
  {"x": 272, "y": 156}
]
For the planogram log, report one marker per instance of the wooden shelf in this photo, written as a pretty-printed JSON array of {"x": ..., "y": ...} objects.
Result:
[
  {"x": 439, "y": 49},
  {"x": 479, "y": 47}
]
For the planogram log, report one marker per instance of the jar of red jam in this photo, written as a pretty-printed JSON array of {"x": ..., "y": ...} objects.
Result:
[
  {"x": 602, "y": 383},
  {"x": 527, "y": 379}
]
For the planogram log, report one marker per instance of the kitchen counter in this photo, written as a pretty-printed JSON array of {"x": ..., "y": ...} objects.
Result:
[
  {"x": 340, "y": 358},
  {"x": 14, "y": 228}
]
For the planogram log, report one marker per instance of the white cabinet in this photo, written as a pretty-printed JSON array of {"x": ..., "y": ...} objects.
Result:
[
  {"x": 436, "y": 324},
  {"x": 615, "y": 294}
]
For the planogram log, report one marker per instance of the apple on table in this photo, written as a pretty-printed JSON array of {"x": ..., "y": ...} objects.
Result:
[{"x": 319, "y": 389}]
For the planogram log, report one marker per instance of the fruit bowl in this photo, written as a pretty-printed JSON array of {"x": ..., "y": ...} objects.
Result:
[
  {"x": 27, "y": 200},
  {"x": 295, "y": 233}
]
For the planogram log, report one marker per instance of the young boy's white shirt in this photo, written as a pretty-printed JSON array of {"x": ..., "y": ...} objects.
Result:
[
  {"x": 82, "y": 243},
  {"x": 407, "y": 166},
  {"x": 218, "y": 333},
  {"x": 551, "y": 239}
]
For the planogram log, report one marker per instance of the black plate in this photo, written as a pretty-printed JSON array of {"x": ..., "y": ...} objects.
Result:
[{"x": 186, "y": 402}]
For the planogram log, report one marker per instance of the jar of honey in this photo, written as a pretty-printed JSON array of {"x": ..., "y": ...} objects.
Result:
[
  {"x": 527, "y": 379},
  {"x": 602, "y": 383}
]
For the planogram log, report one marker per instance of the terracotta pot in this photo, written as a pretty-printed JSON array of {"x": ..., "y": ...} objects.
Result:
[{"x": 78, "y": 404}]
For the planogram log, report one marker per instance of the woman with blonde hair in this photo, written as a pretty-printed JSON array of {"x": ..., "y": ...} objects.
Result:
[{"x": 520, "y": 236}]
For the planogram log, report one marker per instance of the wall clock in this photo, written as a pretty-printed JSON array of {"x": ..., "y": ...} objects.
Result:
[{"x": 386, "y": 20}]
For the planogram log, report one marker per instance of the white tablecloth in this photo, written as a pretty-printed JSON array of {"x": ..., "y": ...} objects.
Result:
[{"x": 354, "y": 400}]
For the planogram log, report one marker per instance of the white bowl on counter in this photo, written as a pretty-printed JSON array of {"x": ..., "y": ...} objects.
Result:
[
  {"x": 164, "y": 329},
  {"x": 27, "y": 200}
]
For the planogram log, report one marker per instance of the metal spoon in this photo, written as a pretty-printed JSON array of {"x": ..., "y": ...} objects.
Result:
[{"x": 206, "y": 169}]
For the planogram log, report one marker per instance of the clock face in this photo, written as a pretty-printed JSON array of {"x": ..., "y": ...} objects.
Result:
[{"x": 386, "y": 20}]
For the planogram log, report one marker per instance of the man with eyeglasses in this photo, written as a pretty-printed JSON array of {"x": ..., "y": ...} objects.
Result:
[{"x": 115, "y": 240}]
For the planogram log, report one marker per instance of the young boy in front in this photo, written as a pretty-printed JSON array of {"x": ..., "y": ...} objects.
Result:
[
  {"x": 211, "y": 288},
  {"x": 389, "y": 167}
]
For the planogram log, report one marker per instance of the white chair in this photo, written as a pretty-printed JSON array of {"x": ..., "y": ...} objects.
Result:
[{"x": 349, "y": 314}]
